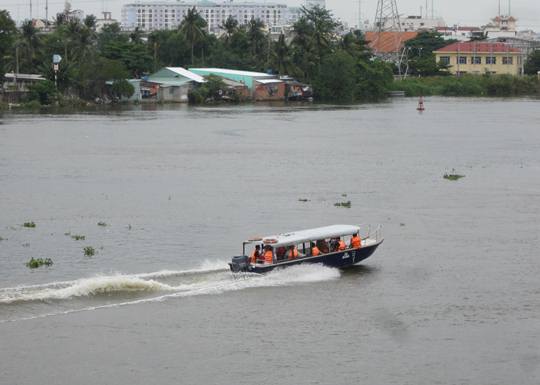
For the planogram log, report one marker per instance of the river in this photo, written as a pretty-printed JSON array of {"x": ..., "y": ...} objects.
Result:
[{"x": 451, "y": 297}]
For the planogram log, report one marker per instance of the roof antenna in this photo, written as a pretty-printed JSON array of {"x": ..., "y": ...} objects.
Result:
[{"x": 499, "y": 8}]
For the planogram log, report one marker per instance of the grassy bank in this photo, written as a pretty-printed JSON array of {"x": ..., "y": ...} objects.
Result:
[{"x": 470, "y": 85}]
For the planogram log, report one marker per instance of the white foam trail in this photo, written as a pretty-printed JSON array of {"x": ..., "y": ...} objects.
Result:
[
  {"x": 289, "y": 276},
  {"x": 207, "y": 266},
  {"x": 86, "y": 287}
]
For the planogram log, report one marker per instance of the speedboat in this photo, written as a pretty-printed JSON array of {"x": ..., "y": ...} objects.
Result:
[{"x": 333, "y": 244}]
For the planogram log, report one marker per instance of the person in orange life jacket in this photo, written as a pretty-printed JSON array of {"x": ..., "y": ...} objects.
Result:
[
  {"x": 314, "y": 250},
  {"x": 280, "y": 253},
  {"x": 255, "y": 255},
  {"x": 268, "y": 255},
  {"x": 341, "y": 245},
  {"x": 292, "y": 253},
  {"x": 322, "y": 245},
  {"x": 356, "y": 241},
  {"x": 334, "y": 244}
]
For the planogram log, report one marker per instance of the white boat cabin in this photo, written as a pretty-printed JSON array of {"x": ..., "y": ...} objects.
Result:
[{"x": 283, "y": 246}]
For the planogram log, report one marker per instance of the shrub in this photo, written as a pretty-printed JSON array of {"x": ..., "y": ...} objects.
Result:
[{"x": 44, "y": 92}]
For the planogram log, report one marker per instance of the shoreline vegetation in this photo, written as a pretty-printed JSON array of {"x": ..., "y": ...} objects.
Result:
[
  {"x": 470, "y": 85},
  {"x": 338, "y": 64}
]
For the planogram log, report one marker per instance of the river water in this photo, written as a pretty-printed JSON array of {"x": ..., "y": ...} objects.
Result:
[{"x": 451, "y": 297}]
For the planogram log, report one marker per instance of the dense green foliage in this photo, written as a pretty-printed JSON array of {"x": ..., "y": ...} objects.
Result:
[
  {"x": 34, "y": 263},
  {"x": 421, "y": 59},
  {"x": 470, "y": 85},
  {"x": 532, "y": 65},
  {"x": 341, "y": 67}
]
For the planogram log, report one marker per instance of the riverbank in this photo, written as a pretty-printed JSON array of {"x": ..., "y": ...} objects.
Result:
[{"x": 469, "y": 85}]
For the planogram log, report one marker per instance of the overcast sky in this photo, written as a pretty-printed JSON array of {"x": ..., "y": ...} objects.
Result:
[{"x": 463, "y": 12}]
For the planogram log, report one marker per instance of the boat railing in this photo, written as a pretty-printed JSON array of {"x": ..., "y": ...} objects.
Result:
[{"x": 373, "y": 232}]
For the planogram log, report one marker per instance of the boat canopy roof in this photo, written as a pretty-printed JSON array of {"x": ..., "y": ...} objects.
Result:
[{"x": 296, "y": 237}]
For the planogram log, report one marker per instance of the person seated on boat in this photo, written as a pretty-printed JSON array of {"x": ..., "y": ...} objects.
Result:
[
  {"x": 255, "y": 255},
  {"x": 334, "y": 244},
  {"x": 268, "y": 255},
  {"x": 314, "y": 250},
  {"x": 280, "y": 253},
  {"x": 292, "y": 252},
  {"x": 356, "y": 241},
  {"x": 341, "y": 245},
  {"x": 322, "y": 245}
]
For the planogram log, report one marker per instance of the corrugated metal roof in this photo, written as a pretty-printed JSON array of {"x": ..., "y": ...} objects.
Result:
[
  {"x": 169, "y": 81},
  {"x": 268, "y": 81},
  {"x": 474, "y": 46},
  {"x": 233, "y": 72},
  {"x": 188, "y": 74}
]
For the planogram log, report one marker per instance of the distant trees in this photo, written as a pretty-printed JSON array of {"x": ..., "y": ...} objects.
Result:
[
  {"x": 340, "y": 66},
  {"x": 532, "y": 65},
  {"x": 420, "y": 56}
]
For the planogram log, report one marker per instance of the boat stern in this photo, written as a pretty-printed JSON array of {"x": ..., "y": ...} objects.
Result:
[{"x": 239, "y": 263}]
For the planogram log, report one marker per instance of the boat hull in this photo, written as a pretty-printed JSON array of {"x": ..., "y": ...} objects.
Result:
[{"x": 340, "y": 259}]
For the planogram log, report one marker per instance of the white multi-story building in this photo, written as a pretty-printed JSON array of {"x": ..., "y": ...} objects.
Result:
[
  {"x": 315, "y": 3},
  {"x": 155, "y": 15}
]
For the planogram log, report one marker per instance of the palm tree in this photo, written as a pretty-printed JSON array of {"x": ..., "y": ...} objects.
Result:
[
  {"x": 230, "y": 26},
  {"x": 281, "y": 57},
  {"x": 193, "y": 28},
  {"x": 29, "y": 42},
  {"x": 256, "y": 36}
]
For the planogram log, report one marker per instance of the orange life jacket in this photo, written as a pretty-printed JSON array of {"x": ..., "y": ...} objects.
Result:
[
  {"x": 356, "y": 242},
  {"x": 292, "y": 253},
  {"x": 268, "y": 257},
  {"x": 254, "y": 255},
  {"x": 315, "y": 251},
  {"x": 341, "y": 245}
]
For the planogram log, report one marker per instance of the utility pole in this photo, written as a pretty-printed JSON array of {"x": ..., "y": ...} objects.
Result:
[
  {"x": 30, "y": 9},
  {"x": 47, "y": 12}
]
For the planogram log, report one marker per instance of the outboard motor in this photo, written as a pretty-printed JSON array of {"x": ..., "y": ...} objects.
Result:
[{"x": 239, "y": 263}]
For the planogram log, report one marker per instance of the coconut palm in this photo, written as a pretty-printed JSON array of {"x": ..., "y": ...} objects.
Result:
[{"x": 193, "y": 27}]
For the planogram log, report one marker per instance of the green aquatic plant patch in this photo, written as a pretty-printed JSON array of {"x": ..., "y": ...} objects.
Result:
[
  {"x": 89, "y": 251},
  {"x": 34, "y": 263},
  {"x": 78, "y": 237},
  {"x": 29, "y": 225},
  {"x": 343, "y": 204},
  {"x": 102, "y": 224},
  {"x": 453, "y": 176}
]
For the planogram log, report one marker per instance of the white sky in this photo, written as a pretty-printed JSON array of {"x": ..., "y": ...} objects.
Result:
[{"x": 463, "y": 12}]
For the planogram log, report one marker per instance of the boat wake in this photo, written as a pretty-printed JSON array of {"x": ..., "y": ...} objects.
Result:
[{"x": 108, "y": 291}]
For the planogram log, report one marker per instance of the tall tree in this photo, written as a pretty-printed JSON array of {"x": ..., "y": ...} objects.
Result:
[
  {"x": 8, "y": 35},
  {"x": 193, "y": 27}
]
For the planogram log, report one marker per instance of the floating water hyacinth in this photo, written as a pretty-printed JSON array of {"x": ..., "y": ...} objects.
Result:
[
  {"x": 34, "y": 263},
  {"x": 343, "y": 204},
  {"x": 89, "y": 251},
  {"x": 78, "y": 237},
  {"x": 102, "y": 224},
  {"x": 29, "y": 225}
]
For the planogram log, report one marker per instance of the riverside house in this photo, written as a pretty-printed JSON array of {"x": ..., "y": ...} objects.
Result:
[
  {"x": 173, "y": 84},
  {"x": 476, "y": 57}
]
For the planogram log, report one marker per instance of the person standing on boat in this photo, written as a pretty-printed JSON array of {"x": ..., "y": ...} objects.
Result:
[
  {"x": 255, "y": 255},
  {"x": 292, "y": 253},
  {"x": 268, "y": 255},
  {"x": 314, "y": 250},
  {"x": 356, "y": 241},
  {"x": 341, "y": 245}
]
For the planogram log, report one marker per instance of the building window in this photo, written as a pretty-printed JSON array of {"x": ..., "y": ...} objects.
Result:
[
  {"x": 491, "y": 60},
  {"x": 508, "y": 60},
  {"x": 462, "y": 60},
  {"x": 445, "y": 60},
  {"x": 476, "y": 60}
]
